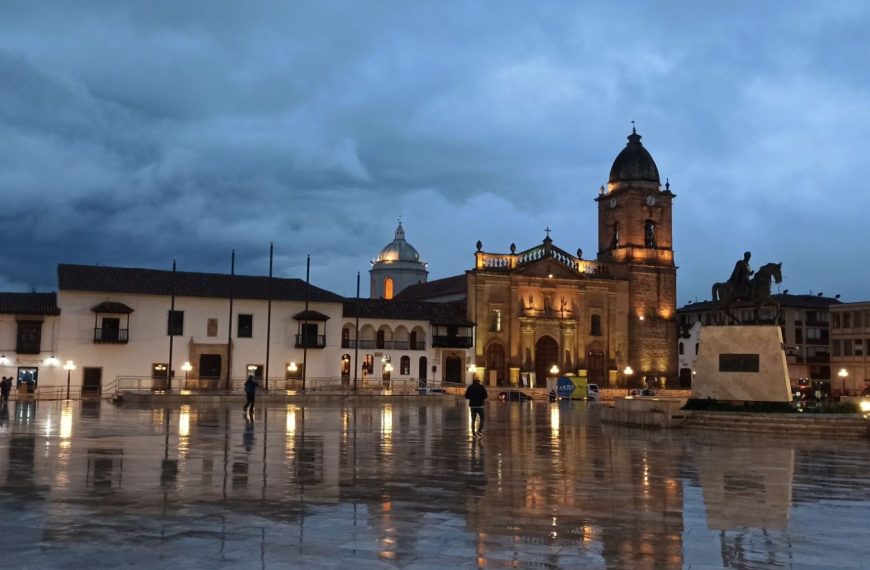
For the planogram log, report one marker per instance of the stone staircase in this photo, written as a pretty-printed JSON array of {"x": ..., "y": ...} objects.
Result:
[{"x": 810, "y": 425}]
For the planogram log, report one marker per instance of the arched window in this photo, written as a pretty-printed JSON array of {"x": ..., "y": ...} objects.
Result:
[
  {"x": 616, "y": 234},
  {"x": 388, "y": 288},
  {"x": 595, "y": 326},
  {"x": 649, "y": 233},
  {"x": 405, "y": 366}
]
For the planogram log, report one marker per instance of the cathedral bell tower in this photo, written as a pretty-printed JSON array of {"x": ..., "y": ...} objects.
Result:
[{"x": 635, "y": 238}]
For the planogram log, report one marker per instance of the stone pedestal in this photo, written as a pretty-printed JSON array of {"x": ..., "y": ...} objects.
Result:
[{"x": 741, "y": 363}]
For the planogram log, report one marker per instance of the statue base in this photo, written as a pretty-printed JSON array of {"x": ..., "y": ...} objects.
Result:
[{"x": 741, "y": 364}]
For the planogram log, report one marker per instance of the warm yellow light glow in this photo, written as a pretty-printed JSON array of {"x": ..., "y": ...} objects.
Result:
[
  {"x": 843, "y": 373},
  {"x": 628, "y": 371},
  {"x": 291, "y": 420},
  {"x": 387, "y": 419},
  {"x": 66, "y": 422},
  {"x": 554, "y": 370},
  {"x": 70, "y": 365},
  {"x": 472, "y": 368},
  {"x": 187, "y": 366},
  {"x": 865, "y": 405},
  {"x": 554, "y": 421},
  {"x": 292, "y": 367},
  {"x": 52, "y": 361},
  {"x": 388, "y": 288},
  {"x": 184, "y": 421},
  {"x": 640, "y": 318}
]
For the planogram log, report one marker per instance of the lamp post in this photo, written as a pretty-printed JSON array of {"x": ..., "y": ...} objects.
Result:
[
  {"x": 554, "y": 371},
  {"x": 843, "y": 373},
  {"x": 291, "y": 369},
  {"x": 187, "y": 367},
  {"x": 473, "y": 369},
  {"x": 69, "y": 367},
  {"x": 627, "y": 372}
]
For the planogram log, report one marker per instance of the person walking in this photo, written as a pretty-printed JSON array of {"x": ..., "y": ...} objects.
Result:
[
  {"x": 5, "y": 386},
  {"x": 476, "y": 396},
  {"x": 250, "y": 393}
]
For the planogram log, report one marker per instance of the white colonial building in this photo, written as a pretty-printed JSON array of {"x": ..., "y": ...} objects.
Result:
[
  {"x": 116, "y": 327},
  {"x": 28, "y": 339}
]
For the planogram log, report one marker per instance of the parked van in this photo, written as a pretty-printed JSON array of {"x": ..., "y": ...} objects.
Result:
[{"x": 592, "y": 392}]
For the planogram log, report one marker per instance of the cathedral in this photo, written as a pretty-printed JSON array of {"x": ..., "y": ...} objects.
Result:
[{"x": 544, "y": 311}]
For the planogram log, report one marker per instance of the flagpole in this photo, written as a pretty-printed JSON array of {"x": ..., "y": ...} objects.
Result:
[
  {"x": 229, "y": 385},
  {"x": 171, "y": 330},
  {"x": 269, "y": 317},
  {"x": 305, "y": 324},
  {"x": 356, "y": 336}
]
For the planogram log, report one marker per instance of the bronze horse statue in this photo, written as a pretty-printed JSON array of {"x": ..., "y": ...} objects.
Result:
[{"x": 756, "y": 293}]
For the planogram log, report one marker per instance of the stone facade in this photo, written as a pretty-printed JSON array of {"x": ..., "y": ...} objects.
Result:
[{"x": 612, "y": 319}]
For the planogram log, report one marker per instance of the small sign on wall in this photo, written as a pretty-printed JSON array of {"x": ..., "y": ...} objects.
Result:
[{"x": 738, "y": 363}]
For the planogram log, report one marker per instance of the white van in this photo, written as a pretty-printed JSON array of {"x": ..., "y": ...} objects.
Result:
[{"x": 592, "y": 392}]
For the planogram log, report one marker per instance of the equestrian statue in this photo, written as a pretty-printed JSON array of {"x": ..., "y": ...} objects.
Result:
[{"x": 748, "y": 286}]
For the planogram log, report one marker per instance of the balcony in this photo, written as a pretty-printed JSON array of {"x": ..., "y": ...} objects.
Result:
[
  {"x": 451, "y": 341},
  {"x": 387, "y": 344},
  {"x": 111, "y": 336},
  {"x": 310, "y": 341}
]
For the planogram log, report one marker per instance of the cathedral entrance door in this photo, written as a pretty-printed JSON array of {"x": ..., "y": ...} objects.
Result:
[
  {"x": 495, "y": 363},
  {"x": 546, "y": 355},
  {"x": 595, "y": 367}
]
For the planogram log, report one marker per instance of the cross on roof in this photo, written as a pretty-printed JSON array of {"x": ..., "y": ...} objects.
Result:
[{"x": 548, "y": 230}]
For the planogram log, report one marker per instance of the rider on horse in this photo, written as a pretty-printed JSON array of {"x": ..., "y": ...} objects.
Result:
[{"x": 739, "y": 279}]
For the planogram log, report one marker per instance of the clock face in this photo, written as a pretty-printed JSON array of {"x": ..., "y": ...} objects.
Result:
[
  {"x": 650, "y": 200},
  {"x": 613, "y": 202}
]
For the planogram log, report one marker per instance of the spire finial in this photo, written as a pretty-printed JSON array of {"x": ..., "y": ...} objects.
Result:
[
  {"x": 400, "y": 231},
  {"x": 633, "y": 129},
  {"x": 667, "y": 183}
]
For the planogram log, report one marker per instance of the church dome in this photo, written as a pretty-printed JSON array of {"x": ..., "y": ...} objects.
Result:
[
  {"x": 398, "y": 249},
  {"x": 634, "y": 163}
]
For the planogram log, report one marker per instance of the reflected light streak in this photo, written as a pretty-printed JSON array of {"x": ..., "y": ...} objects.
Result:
[
  {"x": 183, "y": 431},
  {"x": 387, "y": 427},
  {"x": 554, "y": 421},
  {"x": 184, "y": 421},
  {"x": 291, "y": 420},
  {"x": 290, "y": 441},
  {"x": 66, "y": 422}
]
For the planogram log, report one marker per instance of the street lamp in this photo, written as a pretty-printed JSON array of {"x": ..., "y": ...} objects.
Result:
[
  {"x": 52, "y": 361},
  {"x": 842, "y": 374},
  {"x": 627, "y": 372},
  {"x": 187, "y": 367},
  {"x": 69, "y": 367},
  {"x": 473, "y": 369},
  {"x": 554, "y": 370}
]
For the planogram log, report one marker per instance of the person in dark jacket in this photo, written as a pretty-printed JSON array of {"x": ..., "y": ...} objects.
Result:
[
  {"x": 250, "y": 393},
  {"x": 476, "y": 396}
]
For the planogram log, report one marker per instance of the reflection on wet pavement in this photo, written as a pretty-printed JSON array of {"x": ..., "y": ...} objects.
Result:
[{"x": 404, "y": 485}]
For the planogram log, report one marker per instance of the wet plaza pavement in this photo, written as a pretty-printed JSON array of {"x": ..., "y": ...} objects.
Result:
[{"x": 404, "y": 485}]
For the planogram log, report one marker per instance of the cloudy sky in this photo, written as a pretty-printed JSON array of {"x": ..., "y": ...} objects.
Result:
[{"x": 132, "y": 133}]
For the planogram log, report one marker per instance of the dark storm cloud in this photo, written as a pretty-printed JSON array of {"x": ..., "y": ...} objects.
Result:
[{"x": 134, "y": 133}]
